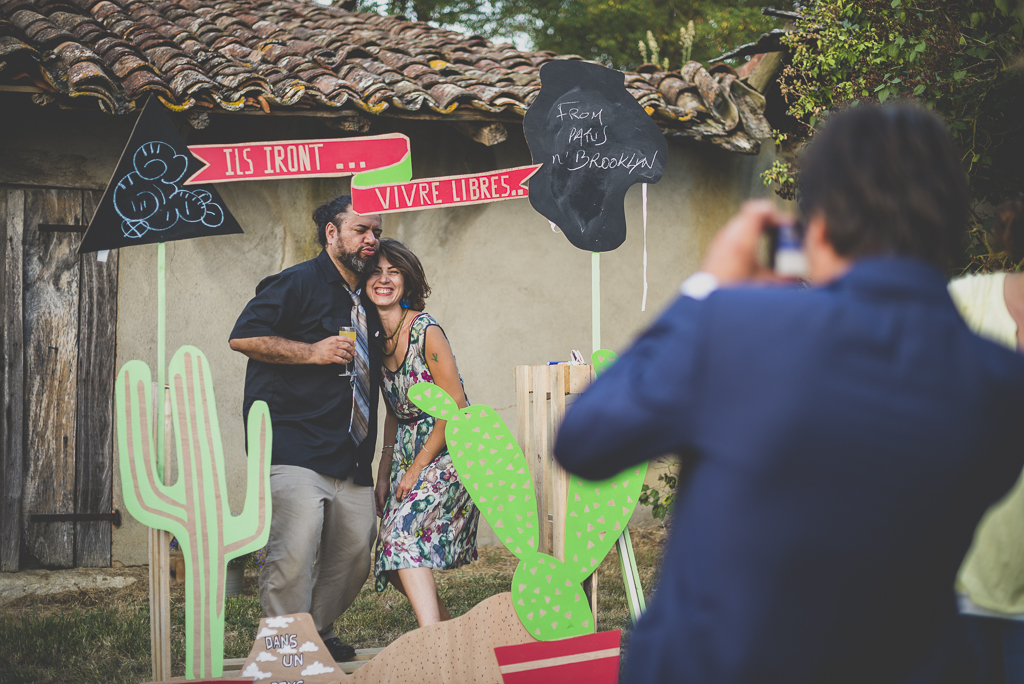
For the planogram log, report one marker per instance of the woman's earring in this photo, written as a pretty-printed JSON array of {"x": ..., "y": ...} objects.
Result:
[{"x": 404, "y": 303}]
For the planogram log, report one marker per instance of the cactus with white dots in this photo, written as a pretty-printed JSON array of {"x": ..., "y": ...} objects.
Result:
[{"x": 547, "y": 593}]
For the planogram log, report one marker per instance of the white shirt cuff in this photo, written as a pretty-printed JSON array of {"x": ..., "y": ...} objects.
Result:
[{"x": 699, "y": 285}]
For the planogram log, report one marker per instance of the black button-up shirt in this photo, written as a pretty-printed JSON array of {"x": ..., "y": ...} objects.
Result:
[{"x": 310, "y": 405}]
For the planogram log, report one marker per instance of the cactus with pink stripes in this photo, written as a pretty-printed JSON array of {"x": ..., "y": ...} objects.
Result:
[{"x": 195, "y": 508}]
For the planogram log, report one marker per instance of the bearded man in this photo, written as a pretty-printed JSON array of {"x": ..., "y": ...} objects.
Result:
[{"x": 324, "y": 417}]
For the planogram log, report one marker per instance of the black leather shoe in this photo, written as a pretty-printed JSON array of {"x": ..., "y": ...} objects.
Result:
[{"x": 339, "y": 651}]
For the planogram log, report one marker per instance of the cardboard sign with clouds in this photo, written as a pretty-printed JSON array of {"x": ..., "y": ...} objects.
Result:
[{"x": 288, "y": 649}]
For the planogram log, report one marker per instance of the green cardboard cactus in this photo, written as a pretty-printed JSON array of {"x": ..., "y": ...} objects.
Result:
[
  {"x": 602, "y": 360},
  {"x": 195, "y": 508},
  {"x": 547, "y": 593}
]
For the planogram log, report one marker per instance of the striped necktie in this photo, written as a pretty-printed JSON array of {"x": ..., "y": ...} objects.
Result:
[{"x": 359, "y": 424}]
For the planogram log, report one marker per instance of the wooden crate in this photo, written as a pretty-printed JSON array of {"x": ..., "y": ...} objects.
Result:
[{"x": 541, "y": 393}]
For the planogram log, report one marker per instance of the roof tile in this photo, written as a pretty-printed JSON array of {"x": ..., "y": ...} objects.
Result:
[
  {"x": 104, "y": 9},
  {"x": 22, "y": 18},
  {"x": 9, "y": 7},
  {"x": 89, "y": 32},
  {"x": 72, "y": 52},
  {"x": 446, "y": 94},
  {"x": 137, "y": 83},
  {"x": 45, "y": 34},
  {"x": 10, "y": 45},
  {"x": 129, "y": 63},
  {"x": 160, "y": 56},
  {"x": 107, "y": 43},
  {"x": 83, "y": 71},
  {"x": 187, "y": 80}
]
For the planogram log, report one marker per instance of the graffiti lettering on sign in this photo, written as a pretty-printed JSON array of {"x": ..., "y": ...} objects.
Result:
[{"x": 150, "y": 197}]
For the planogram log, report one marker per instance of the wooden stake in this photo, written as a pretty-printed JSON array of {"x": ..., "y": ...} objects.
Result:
[
  {"x": 159, "y": 569},
  {"x": 630, "y": 577},
  {"x": 540, "y": 454},
  {"x": 590, "y": 589},
  {"x": 559, "y": 479},
  {"x": 595, "y": 300},
  {"x": 161, "y": 342},
  {"x": 522, "y": 384},
  {"x": 160, "y": 540}
]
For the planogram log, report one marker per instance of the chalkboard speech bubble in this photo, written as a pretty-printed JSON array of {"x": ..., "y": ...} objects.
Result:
[{"x": 594, "y": 141}]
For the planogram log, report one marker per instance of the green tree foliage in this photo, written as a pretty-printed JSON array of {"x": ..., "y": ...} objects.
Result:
[
  {"x": 661, "y": 504},
  {"x": 961, "y": 59},
  {"x": 473, "y": 14},
  {"x": 607, "y": 31}
]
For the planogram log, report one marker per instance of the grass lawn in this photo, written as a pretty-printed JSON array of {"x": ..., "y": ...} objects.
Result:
[{"x": 103, "y": 636}]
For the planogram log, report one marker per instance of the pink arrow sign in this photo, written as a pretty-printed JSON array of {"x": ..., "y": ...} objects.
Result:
[
  {"x": 297, "y": 158},
  {"x": 445, "y": 191}
]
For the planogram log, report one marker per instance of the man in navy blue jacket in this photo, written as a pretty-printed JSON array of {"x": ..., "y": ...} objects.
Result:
[{"x": 846, "y": 438}]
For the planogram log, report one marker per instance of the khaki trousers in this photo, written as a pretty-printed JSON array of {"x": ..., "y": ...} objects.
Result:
[{"x": 318, "y": 557}]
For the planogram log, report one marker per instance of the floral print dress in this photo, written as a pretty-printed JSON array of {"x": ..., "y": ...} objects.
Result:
[{"x": 435, "y": 525}]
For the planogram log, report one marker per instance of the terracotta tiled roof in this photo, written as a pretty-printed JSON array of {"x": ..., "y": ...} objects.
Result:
[{"x": 204, "y": 55}]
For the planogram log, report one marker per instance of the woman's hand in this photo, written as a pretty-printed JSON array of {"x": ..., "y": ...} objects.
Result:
[
  {"x": 408, "y": 481},
  {"x": 380, "y": 494}
]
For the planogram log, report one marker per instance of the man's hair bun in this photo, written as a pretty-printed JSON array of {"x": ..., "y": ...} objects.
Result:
[{"x": 327, "y": 213}]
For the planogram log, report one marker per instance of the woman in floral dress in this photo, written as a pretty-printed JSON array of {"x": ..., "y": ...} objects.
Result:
[{"x": 427, "y": 518}]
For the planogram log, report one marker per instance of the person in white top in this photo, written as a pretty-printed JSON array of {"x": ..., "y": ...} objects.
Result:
[{"x": 990, "y": 584}]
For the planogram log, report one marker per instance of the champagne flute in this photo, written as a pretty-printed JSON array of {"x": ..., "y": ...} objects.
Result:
[{"x": 349, "y": 332}]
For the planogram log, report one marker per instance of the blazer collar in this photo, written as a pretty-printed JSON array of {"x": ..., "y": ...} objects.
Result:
[{"x": 895, "y": 277}]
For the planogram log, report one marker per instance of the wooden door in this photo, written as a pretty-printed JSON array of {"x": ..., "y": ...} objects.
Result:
[{"x": 57, "y": 426}]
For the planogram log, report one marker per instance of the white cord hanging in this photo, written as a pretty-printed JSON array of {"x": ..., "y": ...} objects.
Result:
[{"x": 643, "y": 303}]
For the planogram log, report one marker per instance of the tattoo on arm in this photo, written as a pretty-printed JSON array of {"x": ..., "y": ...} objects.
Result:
[{"x": 434, "y": 356}]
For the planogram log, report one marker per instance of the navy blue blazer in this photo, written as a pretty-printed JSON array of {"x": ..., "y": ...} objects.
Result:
[{"x": 846, "y": 441}]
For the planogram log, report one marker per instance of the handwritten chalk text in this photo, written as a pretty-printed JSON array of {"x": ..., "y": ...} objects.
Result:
[
  {"x": 565, "y": 111},
  {"x": 582, "y": 160},
  {"x": 594, "y": 134},
  {"x": 584, "y": 128}
]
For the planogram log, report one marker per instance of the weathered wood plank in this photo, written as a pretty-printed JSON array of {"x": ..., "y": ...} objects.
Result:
[
  {"x": 590, "y": 589},
  {"x": 558, "y": 379},
  {"x": 55, "y": 166},
  {"x": 12, "y": 379},
  {"x": 522, "y": 385},
  {"x": 51, "y": 372},
  {"x": 94, "y": 441},
  {"x": 540, "y": 455}
]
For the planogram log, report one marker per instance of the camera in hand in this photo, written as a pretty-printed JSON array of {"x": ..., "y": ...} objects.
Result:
[{"x": 786, "y": 247}]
